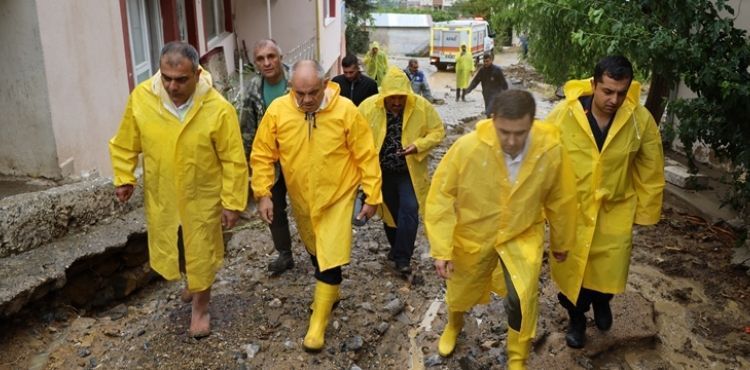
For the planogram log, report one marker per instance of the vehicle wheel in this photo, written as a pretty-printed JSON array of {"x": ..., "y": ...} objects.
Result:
[{"x": 441, "y": 66}]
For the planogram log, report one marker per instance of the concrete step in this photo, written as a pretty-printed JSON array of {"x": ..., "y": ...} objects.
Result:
[{"x": 30, "y": 275}]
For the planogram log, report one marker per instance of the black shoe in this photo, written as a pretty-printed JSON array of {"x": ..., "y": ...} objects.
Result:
[
  {"x": 403, "y": 268},
  {"x": 602, "y": 315},
  {"x": 576, "y": 335},
  {"x": 282, "y": 263}
]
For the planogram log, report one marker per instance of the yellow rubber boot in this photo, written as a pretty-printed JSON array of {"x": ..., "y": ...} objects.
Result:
[
  {"x": 448, "y": 339},
  {"x": 325, "y": 296},
  {"x": 518, "y": 350}
]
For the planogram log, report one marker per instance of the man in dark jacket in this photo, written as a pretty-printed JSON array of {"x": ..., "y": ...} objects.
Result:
[
  {"x": 492, "y": 79},
  {"x": 354, "y": 85}
]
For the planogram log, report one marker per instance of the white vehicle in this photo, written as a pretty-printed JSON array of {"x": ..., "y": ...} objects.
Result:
[{"x": 447, "y": 37}]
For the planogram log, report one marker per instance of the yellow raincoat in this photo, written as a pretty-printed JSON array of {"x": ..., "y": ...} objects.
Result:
[
  {"x": 618, "y": 187},
  {"x": 324, "y": 159},
  {"x": 474, "y": 213},
  {"x": 376, "y": 66},
  {"x": 464, "y": 69},
  {"x": 192, "y": 170},
  {"x": 422, "y": 127}
]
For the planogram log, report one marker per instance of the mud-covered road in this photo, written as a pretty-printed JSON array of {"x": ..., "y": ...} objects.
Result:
[{"x": 686, "y": 308}]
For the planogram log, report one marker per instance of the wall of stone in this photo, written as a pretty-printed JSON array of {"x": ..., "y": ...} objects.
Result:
[{"x": 33, "y": 219}]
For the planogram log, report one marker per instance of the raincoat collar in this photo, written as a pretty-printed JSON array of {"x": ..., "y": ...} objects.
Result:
[
  {"x": 329, "y": 100},
  {"x": 201, "y": 89},
  {"x": 204, "y": 85},
  {"x": 575, "y": 89}
]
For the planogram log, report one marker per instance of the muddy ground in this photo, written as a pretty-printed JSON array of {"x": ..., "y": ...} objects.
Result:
[{"x": 680, "y": 273}]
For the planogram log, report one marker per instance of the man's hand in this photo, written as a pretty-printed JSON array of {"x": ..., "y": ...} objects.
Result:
[
  {"x": 229, "y": 218},
  {"x": 560, "y": 256},
  {"x": 367, "y": 212},
  {"x": 444, "y": 268},
  {"x": 265, "y": 209},
  {"x": 411, "y": 149},
  {"x": 124, "y": 192}
]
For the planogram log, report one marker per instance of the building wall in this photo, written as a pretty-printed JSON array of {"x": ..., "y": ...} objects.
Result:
[
  {"x": 27, "y": 142},
  {"x": 401, "y": 41},
  {"x": 224, "y": 41},
  {"x": 85, "y": 67},
  {"x": 701, "y": 152},
  {"x": 330, "y": 35},
  {"x": 293, "y": 24}
]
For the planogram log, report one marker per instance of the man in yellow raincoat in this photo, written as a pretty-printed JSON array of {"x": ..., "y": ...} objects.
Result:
[
  {"x": 464, "y": 69},
  {"x": 485, "y": 215},
  {"x": 376, "y": 63},
  {"x": 616, "y": 152},
  {"x": 405, "y": 127},
  {"x": 326, "y": 152},
  {"x": 195, "y": 171}
]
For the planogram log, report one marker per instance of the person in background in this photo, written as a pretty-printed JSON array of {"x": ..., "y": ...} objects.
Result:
[
  {"x": 418, "y": 80},
  {"x": 464, "y": 69},
  {"x": 269, "y": 84},
  {"x": 354, "y": 85},
  {"x": 406, "y": 128},
  {"x": 492, "y": 79},
  {"x": 376, "y": 63}
]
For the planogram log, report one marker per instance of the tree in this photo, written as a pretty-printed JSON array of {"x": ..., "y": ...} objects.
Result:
[
  {"x": 358, "y": 13},
  {"x": 668, "y": 41}
]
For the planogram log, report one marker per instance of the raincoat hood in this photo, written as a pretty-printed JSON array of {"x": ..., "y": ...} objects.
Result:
[
  {"x": 374, "y": 44},
  {"x": 396, "y": 82},
  {"x": 574, "y": 89}
]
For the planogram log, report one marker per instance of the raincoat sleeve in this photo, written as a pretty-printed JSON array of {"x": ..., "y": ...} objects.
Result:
[
  {"x": 435, "y": 133},
  {"x": 440, "y": 218},
  {"x": 227, "y": 142},
  {"x": 561, "y": 204},
  {"x": 648, "y": 176},
  {"x": 359, "y": 139},
  {"x": 264, "y": 154},
  {"x": 124, "y": 148}
]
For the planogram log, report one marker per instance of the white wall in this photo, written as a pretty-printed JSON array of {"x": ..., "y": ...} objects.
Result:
[
  {"x": 27, "y": 142},
  {"x": 330, "y": 38},
  {"x": 84, "y": 62},
  {"x": 293, "y": 22},
  {"x": 401, "y": 41}
]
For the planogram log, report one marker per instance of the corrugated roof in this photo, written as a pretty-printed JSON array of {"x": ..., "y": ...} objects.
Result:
[{"x": 401, "y": 20}]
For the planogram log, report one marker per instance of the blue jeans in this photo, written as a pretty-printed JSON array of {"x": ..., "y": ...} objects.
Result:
[{"x": 399, "y": 197}]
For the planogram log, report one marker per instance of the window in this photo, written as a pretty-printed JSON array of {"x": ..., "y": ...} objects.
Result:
[
  {"x": 329, "y": 8},
  {"x": 213, "y": 15}
]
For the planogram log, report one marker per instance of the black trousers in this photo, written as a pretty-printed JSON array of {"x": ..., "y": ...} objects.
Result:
[
  {"x": 282, "y": 239},
  {"x": 330, "y": 276}
]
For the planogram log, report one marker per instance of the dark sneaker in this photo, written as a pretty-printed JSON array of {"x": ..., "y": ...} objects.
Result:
[
  {"x": 280, "y": 264},
  {"x": 403, "y": 268}
]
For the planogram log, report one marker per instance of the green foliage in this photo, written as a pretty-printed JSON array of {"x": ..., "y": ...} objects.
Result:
[
  {"x": 358, "y": 13},
  {"x": 693, "y": 41}
]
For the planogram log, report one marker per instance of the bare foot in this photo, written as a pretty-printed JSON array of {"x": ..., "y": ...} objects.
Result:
[
  {"x": 200, "y": 320},
  {"x": 186, "y": 296}
]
